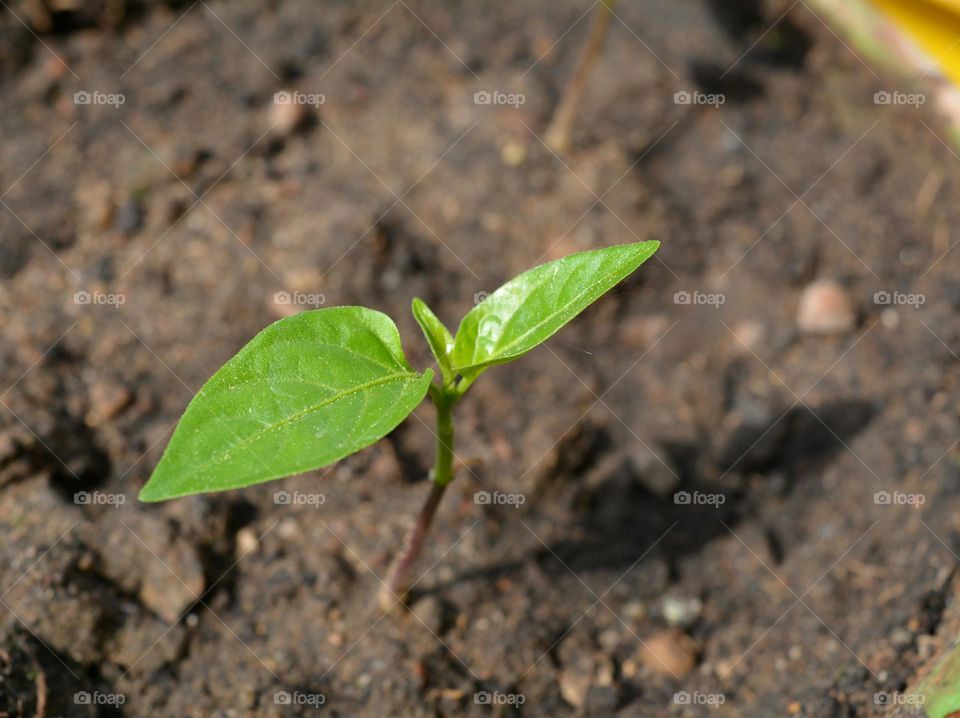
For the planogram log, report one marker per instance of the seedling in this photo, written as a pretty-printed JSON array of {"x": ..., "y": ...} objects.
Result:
[{"x": 318, "y": 386}]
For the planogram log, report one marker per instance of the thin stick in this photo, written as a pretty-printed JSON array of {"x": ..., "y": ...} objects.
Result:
[{"x": 557, "y": 136}]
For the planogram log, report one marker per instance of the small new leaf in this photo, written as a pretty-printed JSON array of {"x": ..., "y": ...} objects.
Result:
[
  {"x": 306, "y": 391},
  {"x": 533, "y": 306},
  {"x": 437, "y": 335}
]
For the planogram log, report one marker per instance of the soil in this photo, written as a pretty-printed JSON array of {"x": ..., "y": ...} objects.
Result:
[{"x": 790, "y": 589}]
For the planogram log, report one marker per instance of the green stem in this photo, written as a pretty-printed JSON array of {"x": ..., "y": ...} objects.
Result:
[
  {"x": 443, "y": 463},
  {"x": 397, "y": 584}
]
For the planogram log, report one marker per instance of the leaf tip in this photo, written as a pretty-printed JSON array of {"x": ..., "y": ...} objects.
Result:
[
  {"x": 158, "y": 487},
  {"x": 149, "y": 494},
  {"x": 648, "y": 247}
]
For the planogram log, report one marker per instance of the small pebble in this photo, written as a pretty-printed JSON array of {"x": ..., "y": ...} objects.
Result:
[
  {"x": 107, "y": 400},
  {"x": 825, "y": 308},
  {"x": 96, "y": 201},
  {"x": 246, "y": 541},
  {"x": 285, "y": 119},
  {"x": 54, "y": 68},
  {"x": 609, "y": 640},
  {"x": 288, "y": 530},
  {"x": 669, "y": 653},
  {"x": 927, "y": 646},
  {"x": 513, "y": 154},
  {"x": 724, "y": 667},
  {"x": 185, "y": 162},
  {"x": 681, "y": 612},
  {"x": 635, "y": 611},
  {"x": 901, "y": 638},
  {"x": 303, "y": 279},
  {"x": 575, "y": 680},
  {"x": 281, "y": 309},
  {"x": 653, "y": 470},
  {"x": 165, "y": 595},
  {"x": 430, "y": 612},
  {"x": 748, "y": 336},
  {"x": 889, "y": 318}
]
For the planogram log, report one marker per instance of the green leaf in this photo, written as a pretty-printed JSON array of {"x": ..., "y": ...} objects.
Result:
[
  {"x": 938, "y": 692},
  {"x": 438, "y": 337},
  {"x": 306, "y": 391},
  {"x": 533, "y": 306}
]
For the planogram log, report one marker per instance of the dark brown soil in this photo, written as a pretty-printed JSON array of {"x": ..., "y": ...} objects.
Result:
[{"x": 799, "y": 595}]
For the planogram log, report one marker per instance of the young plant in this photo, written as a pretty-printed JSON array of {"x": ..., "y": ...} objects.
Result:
[{"x": 315, "y": 387}]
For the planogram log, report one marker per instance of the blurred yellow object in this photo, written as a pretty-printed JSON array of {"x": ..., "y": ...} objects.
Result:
[
  {"x": 918, "y": 41},
  {"x": 934, "y": 25}
]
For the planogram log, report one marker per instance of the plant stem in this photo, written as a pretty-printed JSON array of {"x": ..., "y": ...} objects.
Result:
[
  {"x": 557, "y": 135},
  {"x": 443, "y": 463},
  {"x": 397, "y": 583}
]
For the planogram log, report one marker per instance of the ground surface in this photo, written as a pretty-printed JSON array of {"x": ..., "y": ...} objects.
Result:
[{"x": 601, "y": 596}]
